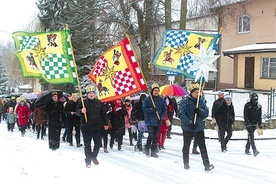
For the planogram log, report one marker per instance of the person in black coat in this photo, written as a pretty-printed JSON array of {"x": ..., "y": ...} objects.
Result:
[
  {"x": 217, "y": 103},
  {"x": 172, "y": 108},
  {"x": 54, "y": 109},
  {"x": 93, "y": 119},
  {"x": 225, "y": 116},
  {"x": 72, "y": 120},
  {"x": 252, "y": 118},
  {"x": 117, "y": 120}
]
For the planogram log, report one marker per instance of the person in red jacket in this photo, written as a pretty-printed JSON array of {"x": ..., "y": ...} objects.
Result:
[{"x": 23, "y": 113}]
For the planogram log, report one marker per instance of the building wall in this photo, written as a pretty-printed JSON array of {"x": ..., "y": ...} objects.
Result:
[
  {"x": 262, "y": 29},
  {"x": 259, "y": 83}
]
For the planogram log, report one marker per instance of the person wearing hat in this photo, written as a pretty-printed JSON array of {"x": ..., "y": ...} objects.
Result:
[
  {"x": 72, "y": 120},
  {"x": 155, "y": 111},
  {"x": 23, "y": 113},
  {"x": 217, "y": 103},
  {"x": 93, "y": 119},
  {"x": 11, "y": 119},
  {"x": 189, "y": 109},
  {"x": 54, "y": 109},
  {"x": 137, "y": 114},
  {"x": 225, "y": 115},
  {"x": 252, "y": 118}
]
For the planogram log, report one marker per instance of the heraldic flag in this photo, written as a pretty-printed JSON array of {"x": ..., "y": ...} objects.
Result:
[
  {"x": 179, "y": 46},
  {"x": 47, "y": 55},
  {"x": 117, "y": 73}
]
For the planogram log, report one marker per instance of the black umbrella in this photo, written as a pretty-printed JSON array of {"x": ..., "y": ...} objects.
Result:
[{"x": 45, "y": 97}]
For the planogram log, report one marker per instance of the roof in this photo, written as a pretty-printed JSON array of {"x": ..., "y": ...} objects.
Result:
[
  {"x": 221, "y": 4},
  {"x": 254, "y": 48}
]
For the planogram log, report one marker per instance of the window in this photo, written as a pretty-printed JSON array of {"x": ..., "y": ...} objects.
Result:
[
  {"x": 268, "y": 68},
  {"x": 244, "y": 24}
]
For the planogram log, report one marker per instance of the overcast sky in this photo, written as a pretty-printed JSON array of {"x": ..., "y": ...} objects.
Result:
[{"x": 15, "y": 15}]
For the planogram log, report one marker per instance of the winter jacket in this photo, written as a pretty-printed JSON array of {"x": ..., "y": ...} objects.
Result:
[
  {"x": 54, "y": 111},
  {"x": 217, "y": 103},
  {"x": 128, "y": 116},
  {"x": 71, "y": 120},
  {"x": 40, "y": 117},
  {"x": 137, "y": 112},
  {"x": 186, "y": 114},
  {"x": 252, "y": 114},
  {"x": 95, "y": 113},
  {"x": 151, "y": 118},
  {"x": 118, "y": 121},
  {"x": 23, "y": 113},
  {"x": 11, "y": 118},
  {"x": 225, "y": 115}
]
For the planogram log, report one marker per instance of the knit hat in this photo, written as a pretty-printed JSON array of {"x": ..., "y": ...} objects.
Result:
[
  {"x": 220, "y": 92},
  {"x": 227, "y": 98}
]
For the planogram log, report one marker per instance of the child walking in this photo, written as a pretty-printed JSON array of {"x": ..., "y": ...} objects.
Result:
[{"x": 11, "y": 119}]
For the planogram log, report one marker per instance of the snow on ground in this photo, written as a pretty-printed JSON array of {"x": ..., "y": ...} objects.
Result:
[{"x": 26, "y": 160}]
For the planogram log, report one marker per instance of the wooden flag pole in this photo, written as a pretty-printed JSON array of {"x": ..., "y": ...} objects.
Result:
[
  {"x": 197, "y": 102},
  {"x": 153, "y": 103},
  {"x": 77, "y": 76}
]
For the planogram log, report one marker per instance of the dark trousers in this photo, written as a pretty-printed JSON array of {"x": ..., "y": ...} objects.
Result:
[
  {"x": 70, "y": 134},
  {"x": 105, "y": 137},
  {"x": 200, "y": 139},
  {"x": 152, "y": 139},
  {"x": 10, "y": 126},
  {"x": 88, "y": 135},
  {"x": 224, "y": 140},
  {"x": 169, "y": 131},
  {"x": 54, "y": 134},
  {"x": 41, "y": 129},
  {"x": 250, "y": 138}
]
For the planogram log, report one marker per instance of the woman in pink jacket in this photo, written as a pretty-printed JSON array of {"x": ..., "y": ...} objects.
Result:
[
  {"x": 128, "y": 125},
  {"x": 23, "y": 113}
]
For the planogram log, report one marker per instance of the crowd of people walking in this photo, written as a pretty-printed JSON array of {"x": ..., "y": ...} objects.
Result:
[{"x": 152, "y": 114}]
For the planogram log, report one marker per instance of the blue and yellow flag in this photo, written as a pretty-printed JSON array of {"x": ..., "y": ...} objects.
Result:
[
  {"x": 179, "y": 46},
  {"x": 47, "y": 55}
]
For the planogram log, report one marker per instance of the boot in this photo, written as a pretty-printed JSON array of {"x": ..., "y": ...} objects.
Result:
[
  {"x": 247, "y": 152},
  {"x": 195, "y": 151},
  {"x": 209, "y": 167},
  {"x": 153, "y": 154},
  {"x": 186, "y": 166},
  {"x": 146, "y": 151},
  {"x": 255, "y": 152}
]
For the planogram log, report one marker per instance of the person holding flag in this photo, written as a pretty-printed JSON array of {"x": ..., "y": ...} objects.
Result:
[
  {"x": 192, "y": 112},
  {"x": 93, "y": 118},
  {"x": 155, "y": 111}
]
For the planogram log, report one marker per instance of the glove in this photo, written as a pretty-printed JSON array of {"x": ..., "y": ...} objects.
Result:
[
  {"x": 176, "y": 114},
  {"x": 197, "y": 110},
  {"x": 154, "y": 109},
  {"x": 260, "y": 127},
  {"x": 192, "y": 125}
]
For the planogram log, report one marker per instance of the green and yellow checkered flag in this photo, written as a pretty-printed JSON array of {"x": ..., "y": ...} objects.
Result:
[{"x": 47, "y": 55}]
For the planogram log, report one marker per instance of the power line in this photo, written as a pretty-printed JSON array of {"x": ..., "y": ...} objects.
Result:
[{"x": 5, "y": 31}]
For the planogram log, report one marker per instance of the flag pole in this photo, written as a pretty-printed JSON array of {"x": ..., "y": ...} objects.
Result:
[
  {"x": 197, "y": 102},
  {"x": 77, "y": 75},
  {"x": 152, "y": 101}
]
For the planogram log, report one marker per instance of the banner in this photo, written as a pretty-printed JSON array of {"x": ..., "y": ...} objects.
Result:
[
  {"x": 47, "y": 55},
  {"x": 179, "y": 48},
  {"x": 117, "y": 73}
]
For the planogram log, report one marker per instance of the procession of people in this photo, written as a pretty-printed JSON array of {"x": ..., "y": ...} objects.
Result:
[{"x": 148, "y": 116}]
